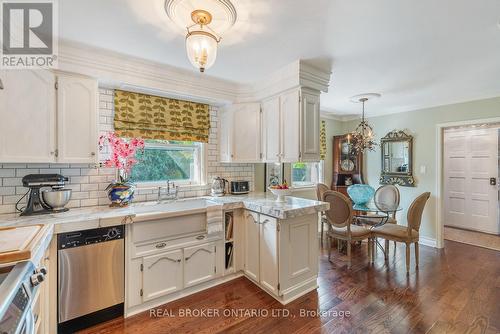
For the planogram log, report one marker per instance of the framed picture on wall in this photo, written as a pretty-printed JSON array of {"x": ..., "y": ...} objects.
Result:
[{"x": 274, "y": 174}]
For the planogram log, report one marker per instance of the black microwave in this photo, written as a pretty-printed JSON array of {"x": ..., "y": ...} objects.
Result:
[{"x": 240, "y": 187}]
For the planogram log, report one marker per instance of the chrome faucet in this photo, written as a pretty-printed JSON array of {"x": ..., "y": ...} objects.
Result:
[{"x": 171, "y": 192}]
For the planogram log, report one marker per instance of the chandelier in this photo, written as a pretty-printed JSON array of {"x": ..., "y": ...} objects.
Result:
[
  {"x": 362, "y": 138},
  {"x": 201, "y": 41}
]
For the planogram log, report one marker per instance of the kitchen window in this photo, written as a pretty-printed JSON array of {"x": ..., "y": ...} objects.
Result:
[
  {"x": 307, "y": 174},
  {"x": 178, "y": 161}
]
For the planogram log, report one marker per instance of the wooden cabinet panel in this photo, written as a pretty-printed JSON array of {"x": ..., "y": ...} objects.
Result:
[
  {"x": 290, "y": 126},
  {"x": 271, "y": 130},
  {"x": 310, "y": 145},
  {"x": 225, "y": 135},
  {"x": 77, "y": 119},
  {"x": 252, "y": 232},
  {"x": 28, "y": 115},
  {"x": 199, "y": 264},
  {"x": 246, "y": 133},
  {"x": 268, "y": 251},
  {"x": 162, "y": 274}
]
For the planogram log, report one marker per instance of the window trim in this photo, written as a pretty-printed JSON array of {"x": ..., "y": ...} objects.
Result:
[{"x": 201, "y": 170}]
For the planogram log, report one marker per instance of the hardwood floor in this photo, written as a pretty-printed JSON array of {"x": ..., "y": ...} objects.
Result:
[{"x": 455, "y": 290}]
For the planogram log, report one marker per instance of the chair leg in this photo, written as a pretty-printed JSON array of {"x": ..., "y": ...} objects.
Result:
[
  {"x": 416, "y": 254},
  {"x": 348, "y": 254},
  {"x": 369, "y": 251},
  {"x": 386, "y": 249},
  {"x": 395, "y": 246},
  {"x": 321, "y": 235},
  {"x": 329, "y": 248},
  {"x": 407, "y": 257}
]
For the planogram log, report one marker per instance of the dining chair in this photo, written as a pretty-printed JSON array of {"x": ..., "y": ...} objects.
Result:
[
  {"x": 320, "y": 189},
  {"x": 407, "y": 234},
  {"x": 388, "y": 195},
  {"x": 340, "y": 217}
]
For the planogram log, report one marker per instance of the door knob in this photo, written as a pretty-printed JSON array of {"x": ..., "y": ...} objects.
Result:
[{"x": 493, "y": 181}]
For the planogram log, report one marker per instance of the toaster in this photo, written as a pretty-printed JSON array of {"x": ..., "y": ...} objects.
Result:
[{"x": 239, "y": 187}]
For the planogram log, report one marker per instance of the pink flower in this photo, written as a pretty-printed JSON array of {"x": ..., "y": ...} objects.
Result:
[{"x": 122, "y": 151}]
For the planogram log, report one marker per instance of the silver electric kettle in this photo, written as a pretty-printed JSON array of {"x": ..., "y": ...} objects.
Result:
[{"x": 219, "y": 186}]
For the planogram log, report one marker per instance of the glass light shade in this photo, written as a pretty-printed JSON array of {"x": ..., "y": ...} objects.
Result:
[{"x": 201, "y": 47}]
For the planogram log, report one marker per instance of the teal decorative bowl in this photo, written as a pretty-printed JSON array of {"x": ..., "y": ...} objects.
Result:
[{"x": 360, "y": 193}]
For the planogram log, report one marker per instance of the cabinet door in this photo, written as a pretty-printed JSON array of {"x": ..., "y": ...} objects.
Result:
[
  {"x": 268, "y": 251},
  {"x": 27, "y": 114},
  {"x": 271, "y": 130},
  {"x": 162, "y": 274},
  {"x": 199, "y": 264},
  {"x": 310, "y": 146},
  {"x": 290, "y": 126},
  {"x": 246, "y": 132},
  {"x": 76, "y": 119},
  {"x": 252, "y": 231},
  {"x": 226, "y": 135}
]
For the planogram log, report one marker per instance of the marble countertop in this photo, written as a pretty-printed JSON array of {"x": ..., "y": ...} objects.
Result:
[{"x": 100, "y": 216}]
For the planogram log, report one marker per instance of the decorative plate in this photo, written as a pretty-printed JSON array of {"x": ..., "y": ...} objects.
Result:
[
  {"x": 347, "y": 165},
  {"x": 345, "y": 148}
]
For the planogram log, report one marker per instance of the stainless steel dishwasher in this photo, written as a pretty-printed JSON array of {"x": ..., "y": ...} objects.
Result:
[{"x": 90, "y": 277}]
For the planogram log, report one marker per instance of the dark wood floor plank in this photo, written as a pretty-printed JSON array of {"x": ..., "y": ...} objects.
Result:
[{"x": 455, "y": 290}]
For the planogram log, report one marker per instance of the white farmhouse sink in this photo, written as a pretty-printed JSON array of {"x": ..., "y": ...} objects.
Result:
[{"x": 171, "y": 209}]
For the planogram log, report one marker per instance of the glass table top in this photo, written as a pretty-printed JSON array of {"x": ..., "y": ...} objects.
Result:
[{"x": 371, "y": 207}]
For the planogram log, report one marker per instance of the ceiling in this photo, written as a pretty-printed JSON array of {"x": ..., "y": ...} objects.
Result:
[{"x": 416, "y": 54}]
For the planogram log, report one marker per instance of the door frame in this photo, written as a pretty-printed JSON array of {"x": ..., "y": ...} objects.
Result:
[{"x": 440, "y": 172}]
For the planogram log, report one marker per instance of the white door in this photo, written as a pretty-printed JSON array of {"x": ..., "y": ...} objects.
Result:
[
  {"x": 199, "y": 264},
  {"x": 310, "y": 146},
  {"x": 470, "y": 164},
  {"x": 77, "y": 119},
  {"x": 290, "y": 126},
  {"x": 28, "y": 116},
  {"x": 246, "y": 132},
  {"x": 162, "y": 274},
  {"x": 271, "y": 130},
  {"x": 268, "y": 252},
  {"x": 252, "y": 231},
  {"x": 226, "y": 135}
]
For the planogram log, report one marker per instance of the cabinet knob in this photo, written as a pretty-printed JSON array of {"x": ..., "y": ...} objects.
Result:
[{"x": 92, "y": 154}]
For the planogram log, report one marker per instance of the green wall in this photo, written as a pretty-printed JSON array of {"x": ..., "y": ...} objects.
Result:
[{"x": 421, "y": 124}]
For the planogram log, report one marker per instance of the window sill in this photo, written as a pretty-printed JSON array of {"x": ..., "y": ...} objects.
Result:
[
  {"x": 182, "y": 186},
  {"x": 299, "y": 188}
]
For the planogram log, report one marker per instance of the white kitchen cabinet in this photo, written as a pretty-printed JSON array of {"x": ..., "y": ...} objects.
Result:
[
  {"x": 268, "y": 253},
  {"x": 271, "y": 130},
  {"x": 310, "y": 127},
  {"x": 290, "y": 127},
  {"x": 240, "y": 133},
  {"x": 28, "y": 116},
  {"x": 162, "y": 274},
  {"x": 41, "y": 123},
  {"x": 77, "y": 106},
  {"x": 252, "y": 239},
  {"x": 199, "y": 264}
]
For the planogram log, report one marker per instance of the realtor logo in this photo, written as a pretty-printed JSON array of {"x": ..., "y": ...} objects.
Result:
[{"x": 29, "y": 38}]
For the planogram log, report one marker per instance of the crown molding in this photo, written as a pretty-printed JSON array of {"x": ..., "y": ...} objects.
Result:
[{"x": 116, "y": 70}]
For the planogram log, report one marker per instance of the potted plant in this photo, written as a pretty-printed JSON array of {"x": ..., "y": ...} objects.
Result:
[{"x": 123, "y": 151}]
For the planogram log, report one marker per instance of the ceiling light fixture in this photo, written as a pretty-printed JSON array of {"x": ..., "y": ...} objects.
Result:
[
  {"x": 201, "y": 41},
  {"x": 362, "y": 138},
  {"x": 205, "y": 21}
]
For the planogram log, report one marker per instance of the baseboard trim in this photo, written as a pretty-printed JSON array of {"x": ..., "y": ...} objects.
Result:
[{"x": 431, "y": 242}]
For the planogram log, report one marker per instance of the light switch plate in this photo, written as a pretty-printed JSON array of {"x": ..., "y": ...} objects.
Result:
[{"x": 423, "y": 169}]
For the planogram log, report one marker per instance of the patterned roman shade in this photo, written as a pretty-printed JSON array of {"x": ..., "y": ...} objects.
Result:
[
  {"x": 154, "y": 117},
  {"x": 322, "y": 140}
]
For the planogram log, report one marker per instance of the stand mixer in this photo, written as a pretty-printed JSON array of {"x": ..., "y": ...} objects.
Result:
[{"x": 45, "y": 202}]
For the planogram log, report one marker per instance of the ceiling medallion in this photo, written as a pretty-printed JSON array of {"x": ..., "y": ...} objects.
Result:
[
  {"x": 204, "y": 20},
  {"x": 362, "y": 138}
]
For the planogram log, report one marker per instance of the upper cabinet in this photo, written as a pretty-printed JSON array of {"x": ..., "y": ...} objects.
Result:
[
  {"x": 240, "y": 133},
  {"x": 47, "y": 118},
  {"x": 28, "y": 116},
  {"x": 76, "y": 119},
  {"x": 290, "y": 127}
]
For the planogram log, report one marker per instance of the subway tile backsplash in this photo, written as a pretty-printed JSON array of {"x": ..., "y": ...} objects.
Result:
[{"x": 89, "y": 182}]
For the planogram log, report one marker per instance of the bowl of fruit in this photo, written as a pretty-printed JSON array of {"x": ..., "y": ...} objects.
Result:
[{"x": 280, "y": 191}]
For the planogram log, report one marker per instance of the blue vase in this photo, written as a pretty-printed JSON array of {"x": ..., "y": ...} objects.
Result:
[
  {"x": 361, "y": 193},
  {"x": 120, "y": 194}
]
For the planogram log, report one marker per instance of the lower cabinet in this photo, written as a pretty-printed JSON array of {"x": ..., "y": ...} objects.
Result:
[
  {"x": 175, "y": 270},
  {"x": 252, "y": 239},
  {"x": 162, "y": 274},
  {"x": 199, "y": 264}
]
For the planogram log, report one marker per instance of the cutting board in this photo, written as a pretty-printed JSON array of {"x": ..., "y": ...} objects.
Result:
[{"x": 16, "y": 243}]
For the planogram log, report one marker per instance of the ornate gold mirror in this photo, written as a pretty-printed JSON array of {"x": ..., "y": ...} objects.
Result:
[{"x": 397, "y": 164}]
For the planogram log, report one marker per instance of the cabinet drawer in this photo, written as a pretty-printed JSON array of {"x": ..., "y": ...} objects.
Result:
[
  {"x": 169, "y": 228},
  {"x": 163, "y": 245}
]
